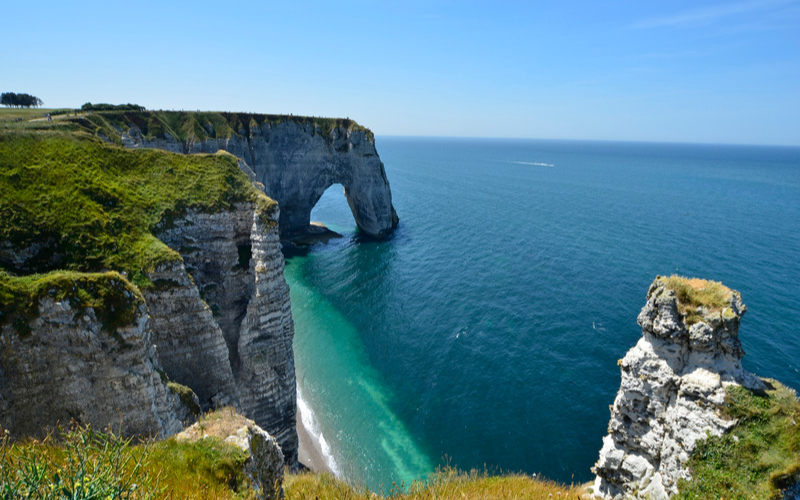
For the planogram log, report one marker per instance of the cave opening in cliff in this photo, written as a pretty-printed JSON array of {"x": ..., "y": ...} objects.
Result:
[{"x": 333, "y": 211}]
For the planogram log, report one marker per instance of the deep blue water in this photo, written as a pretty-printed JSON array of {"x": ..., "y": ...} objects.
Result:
[{"x": 485, "y": 332}]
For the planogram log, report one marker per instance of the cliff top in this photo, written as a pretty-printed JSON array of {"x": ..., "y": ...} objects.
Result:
[
  {"x": 203, "y": 125},
  {"x": 694, "y": 294},
  {"x": 180, "y": 125},
  {"x": 220, "y": 423},
  {"x": 73, "y": 208}
]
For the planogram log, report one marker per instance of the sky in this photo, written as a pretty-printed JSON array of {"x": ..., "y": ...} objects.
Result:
[{"x": 671, "y": 71}]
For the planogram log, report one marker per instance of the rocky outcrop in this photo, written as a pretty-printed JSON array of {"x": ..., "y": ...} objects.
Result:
[
  {"x": 673, "y": 386},
  {"x": 296, "y": 162},
  {"x": 222, "y": 318},
  {"x": 69, "y": 367},
  {"x": 264, "y": 464}
]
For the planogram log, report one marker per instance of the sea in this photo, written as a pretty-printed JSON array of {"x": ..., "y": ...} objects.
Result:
[{"x": 484, "y": 333}]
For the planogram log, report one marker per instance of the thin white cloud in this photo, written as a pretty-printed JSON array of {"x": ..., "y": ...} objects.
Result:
[{"x": 701, "y": 17}]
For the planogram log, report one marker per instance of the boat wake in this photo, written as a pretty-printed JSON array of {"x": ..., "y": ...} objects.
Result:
[{"x": 534, "y": 163}]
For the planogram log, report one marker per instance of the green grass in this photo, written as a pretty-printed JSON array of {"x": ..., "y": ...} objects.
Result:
[
  {"x": 760, "y": 455},
  {"x": 11, "y": 114},
  {"x": 694, "y": 293},
  {"x": 445, "y": 484},
  {"x": 113, "y": 298},
  {"x": 201, "y": 125},
  {"x": 205, "y": 469},
  {"x": 84, "y": 464},
  {"x": 95, "y": 206},
  {"x": 89, "y": 208}
]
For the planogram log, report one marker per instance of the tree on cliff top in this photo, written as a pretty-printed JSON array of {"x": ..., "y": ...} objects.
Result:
[
  {"x": 112, "y": 107},
  {"x": 10, "y": 99}
]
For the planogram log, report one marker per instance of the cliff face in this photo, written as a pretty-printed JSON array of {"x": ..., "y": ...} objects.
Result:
[
  {"x": 68, "y": 366},
  {"x": 294, "y": 160},
  {"x": 673, "y": 386},
  {"x": 222, "y": 318},
  {"x": 196, "y": 296}
]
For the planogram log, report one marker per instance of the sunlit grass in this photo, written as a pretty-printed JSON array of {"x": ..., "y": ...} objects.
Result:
[
  {"x": 694, "y": 293},
  {"x": 80, "y": 208},
  {"x": 446, "y": 484}
]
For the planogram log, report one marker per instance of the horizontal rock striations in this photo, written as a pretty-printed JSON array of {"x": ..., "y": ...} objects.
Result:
[
  {"x": 229, "y": 334},
  {"x": 673, "y": 386},
  {"x": 67, "y": 365},
  {"x": 295, "y": 158}
]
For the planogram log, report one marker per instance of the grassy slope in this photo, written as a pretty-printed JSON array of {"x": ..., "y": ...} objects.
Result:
[
  {"x": 210, "y": 468},
  {"x": 11, "y": 114},
  {"x": 93, "y": 207}
]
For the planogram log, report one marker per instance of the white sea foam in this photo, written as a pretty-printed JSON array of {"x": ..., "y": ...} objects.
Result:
[{"x": 312, "y": 427}]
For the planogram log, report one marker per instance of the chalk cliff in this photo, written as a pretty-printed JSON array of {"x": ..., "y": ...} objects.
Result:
[
  {"x": 201, "y": 246},
  {"x": 222, "y": 318},
  {"x": 672, "y": 389},
  {"x": 295, "y": 158},
  {"x": 136, "y": 286},
  {"x": 67, "y": 365}
]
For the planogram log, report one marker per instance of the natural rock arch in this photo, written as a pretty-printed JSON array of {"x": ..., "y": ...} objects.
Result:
[
  {"x": 297, "y": 176},
  {"x": 296, "y": 161}
]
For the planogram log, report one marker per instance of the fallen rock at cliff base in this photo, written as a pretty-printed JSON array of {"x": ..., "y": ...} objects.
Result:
[{"x": 264, "y": 465}]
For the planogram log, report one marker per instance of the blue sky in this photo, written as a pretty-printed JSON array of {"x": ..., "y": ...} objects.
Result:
[{"x": 685, "y": 71}]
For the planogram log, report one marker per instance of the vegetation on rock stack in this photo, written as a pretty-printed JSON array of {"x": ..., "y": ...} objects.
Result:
[
  {"x": 695, "y": 295},
  {"x": 758, "y": 457}
]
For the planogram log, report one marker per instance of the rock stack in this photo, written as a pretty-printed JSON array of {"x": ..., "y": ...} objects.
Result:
[{"x": 673, "y": 386}]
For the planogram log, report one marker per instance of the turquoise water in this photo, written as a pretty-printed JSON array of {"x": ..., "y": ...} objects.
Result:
[{"x": 485, "y": 332}]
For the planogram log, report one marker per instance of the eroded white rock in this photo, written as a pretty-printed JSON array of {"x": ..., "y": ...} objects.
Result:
[{"x": 672, "y": 388}]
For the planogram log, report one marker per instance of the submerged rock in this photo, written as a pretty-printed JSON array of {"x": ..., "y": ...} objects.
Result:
[{"x": 673, "y": 386}]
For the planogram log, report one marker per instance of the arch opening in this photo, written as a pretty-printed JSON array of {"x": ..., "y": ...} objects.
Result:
[
  {"x": 333, "y": 210},
  {"x": 331, "y": 215}
]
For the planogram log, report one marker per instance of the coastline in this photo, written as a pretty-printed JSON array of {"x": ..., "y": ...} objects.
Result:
[{"x": 310, "y": 452}]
